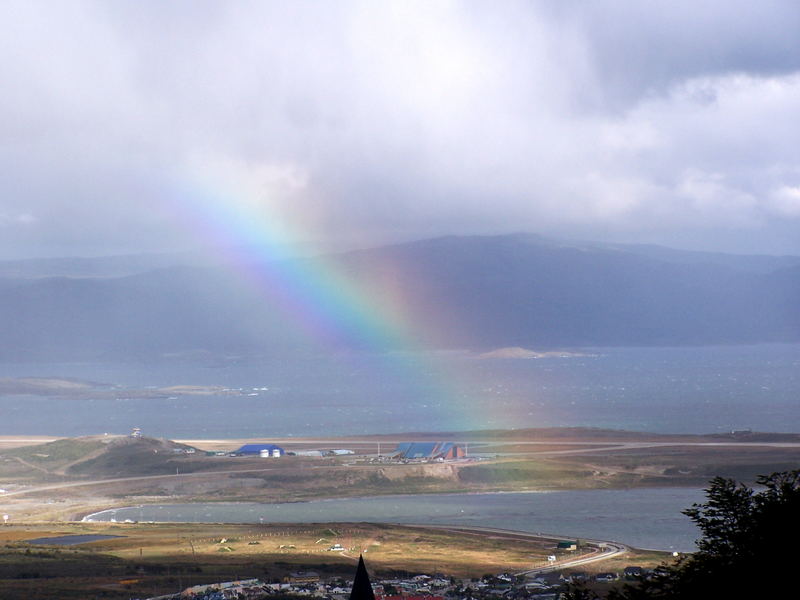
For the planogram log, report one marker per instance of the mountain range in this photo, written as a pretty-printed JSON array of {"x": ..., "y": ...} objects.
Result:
[{"x": 455, "y": 292}]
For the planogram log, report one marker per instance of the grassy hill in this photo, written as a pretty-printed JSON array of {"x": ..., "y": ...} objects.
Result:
[{"x": 92, "y": 456}]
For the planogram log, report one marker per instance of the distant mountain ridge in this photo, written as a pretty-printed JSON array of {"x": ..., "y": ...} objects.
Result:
[
  {"x": 477, "y": 292},
  {"x": 131, "y": 264},
  {"x": 94, "y": 267}
]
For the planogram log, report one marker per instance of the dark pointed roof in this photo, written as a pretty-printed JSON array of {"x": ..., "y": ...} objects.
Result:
[{"x": 362, "y": 588}]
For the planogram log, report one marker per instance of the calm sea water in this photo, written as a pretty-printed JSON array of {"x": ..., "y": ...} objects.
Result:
[
  {"x": 645, "y": 518},
  {"x": 685, "y": 390}
]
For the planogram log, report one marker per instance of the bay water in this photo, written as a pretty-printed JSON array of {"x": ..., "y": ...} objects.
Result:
[
  {"x": 644, "y": 518},
  {"x": 669, "y": 390},
  {"x": 676, "y": 390}
]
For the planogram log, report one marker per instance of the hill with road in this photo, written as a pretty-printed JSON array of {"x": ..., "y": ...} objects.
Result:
[{"x": 98, "y": 456}]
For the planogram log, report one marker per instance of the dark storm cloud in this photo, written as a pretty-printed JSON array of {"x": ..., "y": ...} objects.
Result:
[
  {"x": 362, "y": 122},
  {"x": 642, "y": 48}
]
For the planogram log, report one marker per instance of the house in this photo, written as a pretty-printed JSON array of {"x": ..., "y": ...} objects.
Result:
[
  {"x": 567, "y": 545},
  {"x": 302, "y": 577},
  {"x": 428, "y": 451},
  {"x": 411, "y": 597},
  {"x": 633, "y": 572},
  {"x": 336, "y": 548},
  {"x": 225, "y": 585},
  {"x": 551, "y": 578}
]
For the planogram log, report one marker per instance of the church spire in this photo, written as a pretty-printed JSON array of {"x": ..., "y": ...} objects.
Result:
[{"x": 362, "y": 588}]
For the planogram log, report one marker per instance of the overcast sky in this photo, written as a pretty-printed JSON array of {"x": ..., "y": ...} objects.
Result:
[{"x": 357, "y": 123}]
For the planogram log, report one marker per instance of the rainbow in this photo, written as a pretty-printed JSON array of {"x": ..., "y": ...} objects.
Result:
[{"x": 329, "y": 308}]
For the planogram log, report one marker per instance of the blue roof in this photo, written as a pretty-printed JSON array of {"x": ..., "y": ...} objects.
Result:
[
  {"x": 445, "y": 447},
  {"x": 402, "y": 447},
  {"x": 423, "y": 449},
  {"x": 257, "y": 448}
]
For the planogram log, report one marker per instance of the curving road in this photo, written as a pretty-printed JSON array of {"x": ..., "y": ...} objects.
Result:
[{"x": 601, "y": 549}]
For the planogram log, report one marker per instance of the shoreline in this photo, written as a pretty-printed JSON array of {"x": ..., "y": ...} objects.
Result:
[
  {"x": 124, "y": 473},
  {"x": 490, "y": 517},
  {"x": 325, "y": 499}
]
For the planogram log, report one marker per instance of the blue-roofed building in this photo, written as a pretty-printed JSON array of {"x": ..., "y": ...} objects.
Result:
[
  {"x": 428, "y": 451},
  {"x": 263, "y": 450}
]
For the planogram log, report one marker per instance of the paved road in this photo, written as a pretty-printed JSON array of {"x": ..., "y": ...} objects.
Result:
[
  {"x": 605, "y": 551},
  {"x": 478, "y": 448},
  {"x": 339, "y": 443},
  {"x": 597, "y": 447},
  {"x": 593, "y": 447},
  {"x": 602, "y": 550}
]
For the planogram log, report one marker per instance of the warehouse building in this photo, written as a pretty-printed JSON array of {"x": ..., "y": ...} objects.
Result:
[
  {"x": 262, "y": 450},
  {"x": 428, "y": 451}
]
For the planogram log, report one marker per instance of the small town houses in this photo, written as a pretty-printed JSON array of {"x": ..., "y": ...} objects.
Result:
[{"x": 545, "y": 586}]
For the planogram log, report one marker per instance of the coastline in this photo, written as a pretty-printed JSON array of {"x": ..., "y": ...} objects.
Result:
[
  {"x": 43, "y": 484},
  {"x": 83, "y": 516},
  {"x": 656, "y": 521}
]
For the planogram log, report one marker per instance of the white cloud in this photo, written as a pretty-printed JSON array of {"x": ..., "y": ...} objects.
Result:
[
  {"x": 785, "y": 201},
  {"x": 710, "y": 196},
  {"x": 14, "y": 220},
  {"x": 366, "y": 122}
]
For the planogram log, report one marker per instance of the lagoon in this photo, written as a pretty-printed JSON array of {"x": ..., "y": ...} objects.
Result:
[{"x": 644, "y": 518}]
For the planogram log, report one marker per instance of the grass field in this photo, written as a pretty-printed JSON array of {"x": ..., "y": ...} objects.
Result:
[
  {"x": 49, "y": 485},
  {"x": 162, "y": 558}
]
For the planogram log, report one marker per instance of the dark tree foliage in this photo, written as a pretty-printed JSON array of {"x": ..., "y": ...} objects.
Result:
[
  {"x": 750, "y": 546},
  {"x": 579, "y": 591}
]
